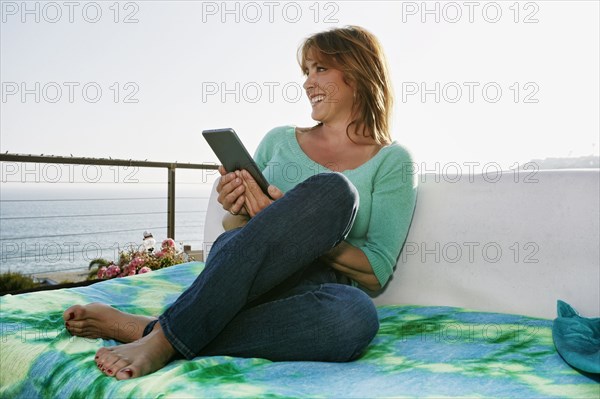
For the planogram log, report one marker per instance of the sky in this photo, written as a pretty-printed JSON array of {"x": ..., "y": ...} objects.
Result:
[{"x": 475, "y": 83}]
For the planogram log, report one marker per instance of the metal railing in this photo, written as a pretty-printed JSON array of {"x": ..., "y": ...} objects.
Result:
[{"x": 170, "y": 166}]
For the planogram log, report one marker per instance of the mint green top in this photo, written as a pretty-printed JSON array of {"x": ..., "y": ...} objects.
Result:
[{"x": 386, "y": 184}]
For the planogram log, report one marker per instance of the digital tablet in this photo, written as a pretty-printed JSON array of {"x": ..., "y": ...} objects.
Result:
[{"x": 233, "y": 155}]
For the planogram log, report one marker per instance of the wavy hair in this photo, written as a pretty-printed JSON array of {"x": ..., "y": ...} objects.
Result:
[{"x": 357, "y": 53}]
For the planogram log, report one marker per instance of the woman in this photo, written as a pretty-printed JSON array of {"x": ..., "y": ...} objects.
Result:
[{"x": 283, "y": 281}]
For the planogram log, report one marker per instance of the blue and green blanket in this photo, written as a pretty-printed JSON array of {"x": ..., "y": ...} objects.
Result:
[{"x": 418, "y": 352}]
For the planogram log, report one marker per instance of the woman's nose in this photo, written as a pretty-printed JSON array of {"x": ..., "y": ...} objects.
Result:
[{"x": 309, "y": 82}]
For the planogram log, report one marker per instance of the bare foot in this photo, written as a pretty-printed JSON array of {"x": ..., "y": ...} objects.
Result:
[
  {"x": 138, "y": 358},
  {"x": 97, "y": 320}
]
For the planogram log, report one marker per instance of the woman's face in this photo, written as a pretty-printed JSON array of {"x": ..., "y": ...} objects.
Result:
[{"x": 331, "y": 98}]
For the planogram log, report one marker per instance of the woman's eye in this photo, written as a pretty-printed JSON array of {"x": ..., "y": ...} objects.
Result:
[{"x": 306, "y": 72}]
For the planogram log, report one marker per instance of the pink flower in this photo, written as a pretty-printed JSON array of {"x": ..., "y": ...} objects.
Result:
[
  {"x": 160, "y": 254},
  {"x": 136, "y": 263},
  {"x": 144, "y": 269},
  {"x": 168, "y": 243},
  {"x": 101, "y": 273},
  {"x": 112, "y": 271},
  {"x": 131, "y": 272}
]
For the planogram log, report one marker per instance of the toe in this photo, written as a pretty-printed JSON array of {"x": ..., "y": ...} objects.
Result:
[
  {"x": 123, "y": 369},
  {"x": 125, "y": 374},
  {"x": 69, "y": 314},
  {"x": 83, "y": 328},
  {"x": 102, "y": 356},
  {"x": 109, "y": 362},
  {"x": 74, "y": 326},
  {"x": 77, "y": 324},
  {"x": 113, "y": 365}
]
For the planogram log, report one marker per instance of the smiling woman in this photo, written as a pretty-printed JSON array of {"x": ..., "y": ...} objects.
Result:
[
  {"x": 358, "y": 70},
  {"x": 296, "y": 265}
]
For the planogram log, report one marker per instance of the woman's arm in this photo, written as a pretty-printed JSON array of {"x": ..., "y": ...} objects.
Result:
[
  {"x": 392, "y": 205},
  {"x": 352, "y": 262},
  {"x": 231, "y": 222}
]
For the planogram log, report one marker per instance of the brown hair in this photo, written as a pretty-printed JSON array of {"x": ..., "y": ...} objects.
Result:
[{"x": 358, "y": 54}]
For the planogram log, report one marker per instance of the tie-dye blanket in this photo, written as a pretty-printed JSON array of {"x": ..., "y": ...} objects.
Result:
[{"x": 419, "y": 351}]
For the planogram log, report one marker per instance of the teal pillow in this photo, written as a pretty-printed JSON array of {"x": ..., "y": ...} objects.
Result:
[{"x": 577, "y": 339}]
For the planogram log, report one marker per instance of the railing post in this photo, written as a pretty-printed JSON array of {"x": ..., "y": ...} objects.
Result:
[{"x": 171, "y": 204}]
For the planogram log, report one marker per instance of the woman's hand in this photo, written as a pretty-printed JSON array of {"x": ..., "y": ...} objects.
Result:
[
  {"x": 231, "y": 190},
  {"x": 352, "y": 262},
  {"x": 254, "y": 199}
]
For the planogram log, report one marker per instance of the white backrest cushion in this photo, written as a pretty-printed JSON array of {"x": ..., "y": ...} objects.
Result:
[{"x": 213, "y": 226}]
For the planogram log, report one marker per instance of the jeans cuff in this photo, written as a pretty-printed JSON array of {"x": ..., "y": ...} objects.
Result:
[{"x": 176, "y": 343}]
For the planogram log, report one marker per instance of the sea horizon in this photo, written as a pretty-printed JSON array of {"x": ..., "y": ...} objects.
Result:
[{"x": 49, "y": 228}]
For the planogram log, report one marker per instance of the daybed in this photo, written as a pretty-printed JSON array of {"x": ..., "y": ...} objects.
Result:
[{"x": 468, "y": 313}]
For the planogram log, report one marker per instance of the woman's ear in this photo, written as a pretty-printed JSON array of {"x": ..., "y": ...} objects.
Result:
[{"x": 351, "y": 83}]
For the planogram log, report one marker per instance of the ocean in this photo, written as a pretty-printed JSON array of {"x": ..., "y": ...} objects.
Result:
[{"x": 47, "y": 228}]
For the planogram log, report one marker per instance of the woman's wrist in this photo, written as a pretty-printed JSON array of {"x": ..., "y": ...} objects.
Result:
[
  {"x": 334, "y": 253},
  {"x": 231, "y": 222}
]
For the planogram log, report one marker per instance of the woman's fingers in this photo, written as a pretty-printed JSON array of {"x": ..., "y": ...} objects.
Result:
[
  {"x": 238, "y": 206},
  {"x": 255, "y": 199},
  {"x": 224, "y": 179},
  {"x": 274, "y": 192},
  {"x": 251, "y": 201},
  {"x": 240, "y": 193},
  {"x": 230, "y": 189},
  {"x": 222, "y": 172}
]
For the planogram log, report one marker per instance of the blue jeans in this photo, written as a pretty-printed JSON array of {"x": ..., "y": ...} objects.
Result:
[{"x": 264, "y": 292}]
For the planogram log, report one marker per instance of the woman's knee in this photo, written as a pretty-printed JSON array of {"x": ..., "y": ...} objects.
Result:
[
  {"x": 333, "y": 188},
  {"x": 355, "y": 323},
  {"x": 339, "y": 183},
  {"x": 336, "y": 197}
]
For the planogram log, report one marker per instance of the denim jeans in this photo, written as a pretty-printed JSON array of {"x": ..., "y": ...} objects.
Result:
[{"x": 265, "y": 293}]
